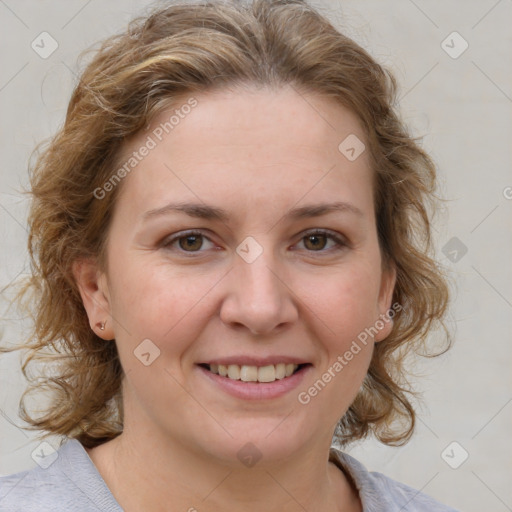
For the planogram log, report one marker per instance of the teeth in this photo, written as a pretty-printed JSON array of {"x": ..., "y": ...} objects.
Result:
[
  {"x": 249, "y": 373},
  {"x": 290, "y": 368},
  {"x": 268, "y": 373},
  {"x": 234, "y": 371},
  {"x": 280, "y": 371}
]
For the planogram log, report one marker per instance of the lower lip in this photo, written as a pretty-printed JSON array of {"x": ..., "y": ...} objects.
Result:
[{"x": 256, "y": 390}]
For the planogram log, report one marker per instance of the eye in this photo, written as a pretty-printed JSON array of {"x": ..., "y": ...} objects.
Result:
[
  {"x": 318, "y": 241},
  {"x": 188, "y": 241}
]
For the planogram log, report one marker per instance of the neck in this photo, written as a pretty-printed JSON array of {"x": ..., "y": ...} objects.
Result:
[{"x": 170, "y": 476}]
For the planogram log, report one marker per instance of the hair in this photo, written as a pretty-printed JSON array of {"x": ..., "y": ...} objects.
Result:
[{"x": 175, "y": 51}]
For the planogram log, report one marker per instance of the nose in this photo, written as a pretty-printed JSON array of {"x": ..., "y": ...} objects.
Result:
[{"x": 259, "y": 298}]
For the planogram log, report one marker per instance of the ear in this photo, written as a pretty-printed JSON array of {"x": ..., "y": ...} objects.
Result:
[
  {"x": 92, "y": 284},
  {"x": 387, "y": 287}
]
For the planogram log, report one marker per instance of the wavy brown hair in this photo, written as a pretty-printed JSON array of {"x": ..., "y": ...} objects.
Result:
[{"x": 177, "y": 50}]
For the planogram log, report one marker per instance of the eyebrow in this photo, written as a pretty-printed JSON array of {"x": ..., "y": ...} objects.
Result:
[{"x": 204, "y": 211}]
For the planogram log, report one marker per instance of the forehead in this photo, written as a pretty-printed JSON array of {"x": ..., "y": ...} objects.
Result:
[{"x": 268, "y": 145}]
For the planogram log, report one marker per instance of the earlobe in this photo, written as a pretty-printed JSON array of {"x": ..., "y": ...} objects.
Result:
[
  {"x": 93, "y": 289},
  {"x": 387, "y": 288}
]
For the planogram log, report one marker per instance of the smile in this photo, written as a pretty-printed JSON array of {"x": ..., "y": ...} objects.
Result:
[
  {"x": 255, "y": 382},
  {"x": 249, "y": 373}
]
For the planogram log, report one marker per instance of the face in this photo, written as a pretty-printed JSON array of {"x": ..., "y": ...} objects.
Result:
[{"x": 244, "y": 238}]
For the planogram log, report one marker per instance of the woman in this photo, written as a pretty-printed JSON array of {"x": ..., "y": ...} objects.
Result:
[{"x": 229, "y": 237}]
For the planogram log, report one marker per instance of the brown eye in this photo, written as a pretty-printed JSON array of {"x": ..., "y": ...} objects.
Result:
[
  {"x": 190, "y": 242},
  {"x": 323, "y": 242},
  {"x": 315, "y": 242}
]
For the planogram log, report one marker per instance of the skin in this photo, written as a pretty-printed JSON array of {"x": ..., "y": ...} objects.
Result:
[{"x": 257, "y": 154}]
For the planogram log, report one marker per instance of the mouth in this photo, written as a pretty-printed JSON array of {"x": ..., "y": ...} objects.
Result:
[
  {"x": 251, "y": 373},
  {"x": 255, "y": 379}
]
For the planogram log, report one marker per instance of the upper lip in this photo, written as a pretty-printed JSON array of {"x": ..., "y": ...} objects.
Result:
[{"x": 245, "y": 360}]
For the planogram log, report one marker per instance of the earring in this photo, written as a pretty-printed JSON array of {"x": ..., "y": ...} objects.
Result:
[{"x": 102, "y": 326}]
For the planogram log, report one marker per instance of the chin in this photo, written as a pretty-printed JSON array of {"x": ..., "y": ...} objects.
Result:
[{"x": 258, "y": 442}]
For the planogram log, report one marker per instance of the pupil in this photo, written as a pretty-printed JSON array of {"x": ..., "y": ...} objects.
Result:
[
  {"x": 191, "y": 242},
  {"x": 316, "y": 241}
]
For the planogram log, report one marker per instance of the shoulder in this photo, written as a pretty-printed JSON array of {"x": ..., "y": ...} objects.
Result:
[
  {"x": 65, "y": 480},
  {"x": 380, "y": 493}
]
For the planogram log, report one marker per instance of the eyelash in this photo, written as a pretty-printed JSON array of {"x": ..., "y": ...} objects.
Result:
[{"x": 341, "y": 243}]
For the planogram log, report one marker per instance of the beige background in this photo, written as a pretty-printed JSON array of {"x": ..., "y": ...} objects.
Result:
[{"x": 462, "y": 106}]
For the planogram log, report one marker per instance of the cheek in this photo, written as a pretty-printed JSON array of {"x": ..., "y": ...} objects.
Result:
[
  {"x": 157, "y": 302},
  {"x": 346, "y": 302},
  {"x": 343, "y": 309}
]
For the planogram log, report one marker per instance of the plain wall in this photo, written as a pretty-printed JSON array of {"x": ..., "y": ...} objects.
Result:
[{"x": 461, "y": 106}]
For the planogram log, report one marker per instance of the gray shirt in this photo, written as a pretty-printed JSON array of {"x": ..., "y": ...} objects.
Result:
[{"x": 72, "y": 483}]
